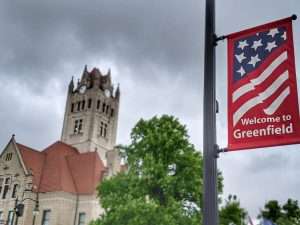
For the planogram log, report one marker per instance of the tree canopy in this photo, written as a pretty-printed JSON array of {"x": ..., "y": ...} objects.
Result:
[
  {"x": 232, "y": 212},
  {"x": 164, "y": 181},
  {"x": 287, "y": 214}
]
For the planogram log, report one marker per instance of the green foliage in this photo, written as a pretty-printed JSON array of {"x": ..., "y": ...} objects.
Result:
[
  {"x": 288, "y": 214},
  {"x": 164, "y": 182},
  {"x": 272, "y": 211},
  {"x": 232, "y": 213}
]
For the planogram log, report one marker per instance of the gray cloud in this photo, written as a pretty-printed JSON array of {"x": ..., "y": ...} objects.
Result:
[{"x": 155, "y": 50}]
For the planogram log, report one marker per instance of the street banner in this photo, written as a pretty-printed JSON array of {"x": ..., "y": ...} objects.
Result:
[{"x": 262, "y": 91}]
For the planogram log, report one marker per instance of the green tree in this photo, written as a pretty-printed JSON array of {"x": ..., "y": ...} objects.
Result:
[
  {"x": 271, "y": 211},
  {"x": 291, "y": 209},
  {"x": 232, "y": 212},
  {"x": 288, "y": 214},
  {"x": 164, "y": 182}
]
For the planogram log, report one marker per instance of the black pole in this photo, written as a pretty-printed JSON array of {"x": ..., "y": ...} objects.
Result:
[
  {"x": 33, "y": 220},
  {"x": 210, "y": 204},
  {"x": 17, "y": 217}
]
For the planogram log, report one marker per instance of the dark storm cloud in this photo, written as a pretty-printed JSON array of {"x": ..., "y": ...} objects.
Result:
[
  {"x": 41, "y": 37},
  {"x": 155, "y": 49}
]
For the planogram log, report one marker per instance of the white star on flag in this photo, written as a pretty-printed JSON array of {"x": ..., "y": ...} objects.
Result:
[
  {"x": 257, "y": 44},
  {"x": 240, "y": 57},
  {"x": 254, "y": 60},
  {"x": 284, "y": 35},
  {"x": 241, "y": 71},
  {"x": 243, "y": 44},
  {"x": 273, "y": 32},
  {"x": 271, "y": 45}
]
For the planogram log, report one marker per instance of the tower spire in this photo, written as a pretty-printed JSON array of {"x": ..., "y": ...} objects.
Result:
[
  {"x": 118, "y": 91},
  {"x": 85, "y": 73},
  {"x": 71, "y": 85}
]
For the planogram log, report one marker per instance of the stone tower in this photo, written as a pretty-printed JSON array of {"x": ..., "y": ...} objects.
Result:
[{"x": 91, "y": 115}]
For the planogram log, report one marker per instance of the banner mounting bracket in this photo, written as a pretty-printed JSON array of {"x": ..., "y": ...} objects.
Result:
[{"x": 219, "y": 38}]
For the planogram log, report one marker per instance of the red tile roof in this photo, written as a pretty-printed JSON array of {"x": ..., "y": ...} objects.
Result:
[{"x": 60, "y": 167}]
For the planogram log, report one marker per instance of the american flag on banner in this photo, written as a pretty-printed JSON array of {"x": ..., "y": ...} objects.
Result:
[{"x": 262, "y": 91}]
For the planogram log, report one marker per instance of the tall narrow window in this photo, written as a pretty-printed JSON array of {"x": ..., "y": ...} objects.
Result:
[
  {"x": 107, "y": 108},
  {"x": 101, "y": 128},
  {"x": 98, "y": 104},
  {"x": 46, "y": 217},
  {"x": 111, "y": 112},
  {"x": 78, "y": 126},
  {"x": 83, "y": 104},
  {"x": 89, "y": 103},
  {"x": 1, "y": 184},
  {"x": 6, "y": 187},
  {"x": 81, "y": 218},
  {"x": 72, "y": 107},
  {"x": 103, "y": 107},
  {"x": 10, "y": 217},
  {"x": 15, "y": 191},
  {"x": 78, "y": 106},
  {"x": 105, "y": 130}
]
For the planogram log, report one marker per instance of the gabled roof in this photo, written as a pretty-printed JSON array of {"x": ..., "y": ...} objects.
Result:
[
  {"x": 33, "y": 161},
  {"x": 60, "y": 167}
]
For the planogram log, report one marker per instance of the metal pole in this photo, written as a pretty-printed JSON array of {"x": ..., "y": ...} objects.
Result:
[
  {"x": 33, "y": 220},
  {"x": 210, "y": 206},
  {"x": 17, "y": 218}
]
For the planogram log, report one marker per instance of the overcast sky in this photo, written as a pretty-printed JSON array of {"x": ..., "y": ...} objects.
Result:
[{"x": 155, "y": 51}]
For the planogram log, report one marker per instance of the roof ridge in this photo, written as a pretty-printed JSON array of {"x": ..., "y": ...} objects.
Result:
[
  {"x": 28, "y": 148},
  {"x": 62, "y": 143}
]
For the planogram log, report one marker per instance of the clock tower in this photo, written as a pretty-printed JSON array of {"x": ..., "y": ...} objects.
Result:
[{"x": 91, "y": 115}]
